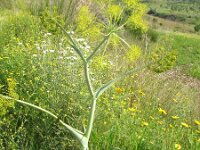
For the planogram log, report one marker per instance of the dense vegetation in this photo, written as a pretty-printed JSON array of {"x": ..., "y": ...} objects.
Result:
[{"x": 155, "y": 108}]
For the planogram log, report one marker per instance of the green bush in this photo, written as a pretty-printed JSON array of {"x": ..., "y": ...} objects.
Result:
[
  {"x": 197, "y": 27},
  {"x": 153, "y": 35},
  {"x": 166, "y": 60}
]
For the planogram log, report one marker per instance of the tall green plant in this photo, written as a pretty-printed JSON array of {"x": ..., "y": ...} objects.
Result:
[{"x": 113, "y": 28}]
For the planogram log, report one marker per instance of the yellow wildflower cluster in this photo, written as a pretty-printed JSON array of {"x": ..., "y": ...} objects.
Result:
[
  {"x": 87, "y": 25},
  {"x": 7, "y": 103},
  {"x": 183, "y": 124},
  {"x": 197, "y": 122},
  {"x": 119, "y": 90},
  {"x": 114, "y": 11},
  {"x": 175, "y": 117},
  {"x": 133, "y": 53},
  {"x": 131, "y": 3},
  {"x": 132, "y": 109},
  {"x": 177, "y": 146},
  {"x": 162, "y": 111}
]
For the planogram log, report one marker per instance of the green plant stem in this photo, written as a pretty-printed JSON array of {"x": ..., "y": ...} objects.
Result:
[
  {"x": 93, "y": 104},
  {"x": 91, "y": 118},
  {"x": 92, "y": 107},
  {"x": 98, "y": 47},
  {"x": 88, "y": 80},
  {"x": 122, "y": 40}
]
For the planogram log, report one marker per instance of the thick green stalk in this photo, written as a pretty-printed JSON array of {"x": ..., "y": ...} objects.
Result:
[
  {"x": 91, "y": 118},
  {"x": 88, "y": 80},
  {"x": 93, "y": 104},
  {"x": 96, "y": 50}
]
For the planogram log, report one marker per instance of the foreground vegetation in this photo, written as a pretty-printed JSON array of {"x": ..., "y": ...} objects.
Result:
[{"x": 147, "y": 110}]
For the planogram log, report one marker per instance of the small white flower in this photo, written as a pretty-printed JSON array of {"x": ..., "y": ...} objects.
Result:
[
  {"x": 70, "y": 32},
  {"x": 73, "y": 58},
  {"x": 45, "y": 51},
  {"x": 60, "y": 57},
  {"x": 49, "y": 34},
  {"x": 19, "y": 43},
  {"x": 38, "y": 48},
  {"x": 64, "y": 52},
  {"x": 51, "y": 51},
  {"x": 111, "y": 63},
  {"x": 87, "y": 47},
  {"x": 71, "y": 51},
  {"x": 85, "y": 43},
  {"x": 80, "y": 40}
]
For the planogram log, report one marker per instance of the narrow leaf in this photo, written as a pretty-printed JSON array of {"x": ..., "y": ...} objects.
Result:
[{"x": 98, "y": 48}]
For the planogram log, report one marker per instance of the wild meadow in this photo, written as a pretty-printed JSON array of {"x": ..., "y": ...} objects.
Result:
[{"x": 88, "y": 74}]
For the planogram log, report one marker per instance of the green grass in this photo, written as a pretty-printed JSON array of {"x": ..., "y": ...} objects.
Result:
[
  {"x": 187, "y": 47},
  {"x": 184, "y": 11}
]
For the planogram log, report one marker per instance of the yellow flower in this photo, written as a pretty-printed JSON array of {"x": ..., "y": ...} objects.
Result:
[
  {"x": 198, "y": 131},
  {"x": 197, "y": 122},
  {"x": 132, "y": 109},
  {"x": 10, "y": 79},
  {"x": 175, "y": 117},
  {"x": 144, "y": 123},
  {"x": 185, "y": 125},
  {"x": 123, "y": 103},
  {"x": 160, "y": 122},
  {"x": 115, "y": 11},
  {"x": 162, "y": 111},
  {"x": 119, "y": 90},
  {"x": 174, "y": 100},
  {"x": 171, "y": 126},
  {"x": 198, "y": 140},
  {"x": 177, "y": 146},
  {"x": 133, "y": 53},
  {"x": 152, "y": 117}
]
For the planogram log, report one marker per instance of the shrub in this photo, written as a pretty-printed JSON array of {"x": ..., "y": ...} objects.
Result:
[
  {"x": 153, "y": 35},
  {"x": 197, "y": 27},
  {"x": 166, "y": 60}
]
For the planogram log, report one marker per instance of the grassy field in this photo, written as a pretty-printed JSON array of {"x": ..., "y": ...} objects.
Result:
[
  {"x": 174, "y": 24},
  {"x": 154, "y": 108},
  {"x": 187, "y": 48},
  {"x": 182, "y": 11},
  {"x": 158, "y": 23}
]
